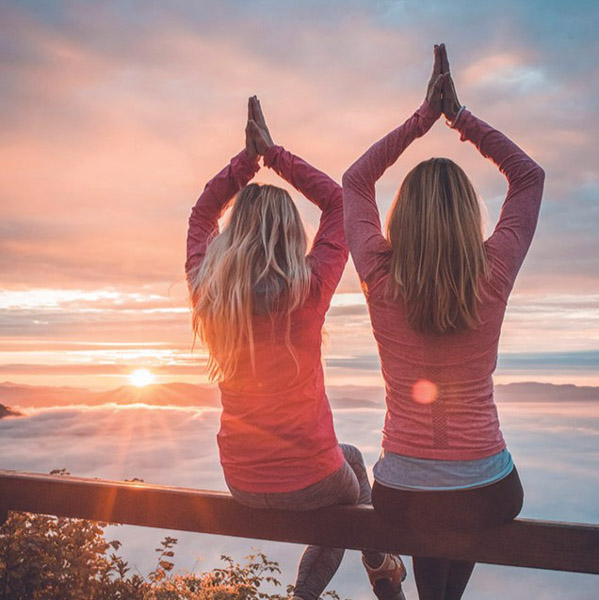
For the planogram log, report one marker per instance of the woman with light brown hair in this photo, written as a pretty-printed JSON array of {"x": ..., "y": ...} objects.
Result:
[
  {"x": 259, "y": 303},
  {"x": 437, "y": 294}
]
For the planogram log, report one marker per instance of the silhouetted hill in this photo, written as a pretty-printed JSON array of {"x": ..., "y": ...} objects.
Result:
[
  {"x": 185, "y": 394},
  {"x": 6, "y": 411},
  {"x": 545, "y": 392},
  {"x": 164, "y": 394}
]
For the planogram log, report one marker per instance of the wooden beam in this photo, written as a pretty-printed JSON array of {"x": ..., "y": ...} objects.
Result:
[{"x": 523, "y": 543}]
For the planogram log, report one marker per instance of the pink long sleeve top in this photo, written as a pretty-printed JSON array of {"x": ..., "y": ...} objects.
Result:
[
  {"x": 276, "y": 432},
  {"x": 439, "y": 387}
]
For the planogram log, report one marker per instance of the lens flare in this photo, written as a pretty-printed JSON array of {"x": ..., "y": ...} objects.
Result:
[{"x": 424, "y": 392}]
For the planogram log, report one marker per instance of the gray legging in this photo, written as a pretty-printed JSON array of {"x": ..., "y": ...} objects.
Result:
[{"x": 347, "y": 485}]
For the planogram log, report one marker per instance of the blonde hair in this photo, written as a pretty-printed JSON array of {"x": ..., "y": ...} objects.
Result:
[
  {"x": 260, "y": 252},
  {"x": 437, "y": 256}
]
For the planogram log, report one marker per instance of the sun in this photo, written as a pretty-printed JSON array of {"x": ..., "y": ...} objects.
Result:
[{"x": 141, "y": 377}]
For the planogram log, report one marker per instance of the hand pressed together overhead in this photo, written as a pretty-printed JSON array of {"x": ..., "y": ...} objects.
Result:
[
  {"x": 440, "y": 93},
  {"x": 257, "y": 136}
]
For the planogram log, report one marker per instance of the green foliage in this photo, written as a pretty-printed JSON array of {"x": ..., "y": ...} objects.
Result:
[
  {"x": 54, "y": 558},
  {"x": 50, "y": 558},
  {"x": 230, "y": 582}
]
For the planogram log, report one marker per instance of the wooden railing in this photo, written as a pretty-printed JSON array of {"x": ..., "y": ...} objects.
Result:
[{"x": 523, "y": 543}]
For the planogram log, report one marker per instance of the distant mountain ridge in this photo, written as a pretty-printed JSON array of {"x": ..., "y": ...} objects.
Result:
[
  {"x": 163, "y": 394},
  {"x": 373, "y": 397},
  {"x": 545, "y": 392},
  {"x": 190, "y": 395}
]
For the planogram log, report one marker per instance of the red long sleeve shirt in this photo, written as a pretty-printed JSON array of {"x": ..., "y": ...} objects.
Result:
[
  {"x": 453, "y": 369},
  {"x": 276, "y": 432}
]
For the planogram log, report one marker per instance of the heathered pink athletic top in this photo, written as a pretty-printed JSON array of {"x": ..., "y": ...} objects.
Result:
[
  {"x": 439, "y": 388},
  {"x": 276, "y": 432}
]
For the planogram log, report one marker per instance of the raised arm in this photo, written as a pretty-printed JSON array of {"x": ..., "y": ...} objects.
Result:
[
  {"x": 203, "y": 221},
  {"x": 219, "y": 191},
  {"x": 367, "y": 244},
  {"x": 329, "y": 251},
  {"x": 515, "y": 229}
]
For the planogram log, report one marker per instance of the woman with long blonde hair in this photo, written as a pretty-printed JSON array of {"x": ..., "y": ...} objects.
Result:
[
  {"x": 259, "y": 304},
  {"x": 437, "y": 294}
]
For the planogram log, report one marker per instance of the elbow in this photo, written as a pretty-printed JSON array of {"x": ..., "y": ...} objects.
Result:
[
  {"x": 538, "y": 178},
  {"x": 532, "y": 176},
  {"x": 538, "y": 173}
]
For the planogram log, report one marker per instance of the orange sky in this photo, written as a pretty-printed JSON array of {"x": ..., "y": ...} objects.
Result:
[{"x": 114, "y": 117}]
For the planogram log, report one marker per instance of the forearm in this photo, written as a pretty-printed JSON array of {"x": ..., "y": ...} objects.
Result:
[
  {"x": 515, "y": 229},
  {"x": 364, "y": 173},
  {"x": 362, "y": 220},
  {"x": 510, "y": 159},
  {"x": 203, "y": 221},
  {"x": 315, "y": 185}
]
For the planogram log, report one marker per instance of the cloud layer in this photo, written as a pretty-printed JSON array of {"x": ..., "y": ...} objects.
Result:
[
  {"x": 116, "y": 114},
  {"x": 553, "y": 443},
  {"x": 96, "y": 338}
]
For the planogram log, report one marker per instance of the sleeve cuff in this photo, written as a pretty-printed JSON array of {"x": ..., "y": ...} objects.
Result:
[
  {"x": 271, "y": 154},
  {"x": 428, "y": 113},
  {"x": 247, "y": 164},
  {"x": 458, "y": 122}
]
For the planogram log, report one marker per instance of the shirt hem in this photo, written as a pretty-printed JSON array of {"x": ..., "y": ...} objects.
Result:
[
  {"x": 270, "y": 488},
  {"x": 448, "y": 488},
  {"x": 444, "y": 454}
]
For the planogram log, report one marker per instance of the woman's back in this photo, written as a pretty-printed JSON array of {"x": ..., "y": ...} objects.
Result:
[
  {"x": 276, "y": 426},
  {"x": 276, "y": 429},
  {"x": 283, "y": 358},
  {"x": 439, "y": 387}
]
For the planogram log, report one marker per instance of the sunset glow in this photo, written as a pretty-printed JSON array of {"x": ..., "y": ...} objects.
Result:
[
  {"x": 142, "y": 377},
  {"x": 115, "y": 116},
  {"x": 123, "y": 160}
]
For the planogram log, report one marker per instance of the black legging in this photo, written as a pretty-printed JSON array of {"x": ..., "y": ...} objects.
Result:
[{"x": 470, "y": 509}]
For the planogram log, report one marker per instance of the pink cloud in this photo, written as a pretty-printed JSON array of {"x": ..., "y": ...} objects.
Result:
[{"x": 113, "y": 127}]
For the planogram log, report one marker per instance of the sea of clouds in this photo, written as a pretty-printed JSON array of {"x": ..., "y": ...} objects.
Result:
[{"x": 555, "y": 445}]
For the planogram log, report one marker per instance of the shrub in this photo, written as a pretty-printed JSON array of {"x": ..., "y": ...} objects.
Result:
[{"x": 55, "y": 558}]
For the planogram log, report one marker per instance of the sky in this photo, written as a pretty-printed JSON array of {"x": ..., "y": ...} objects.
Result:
[{"x": 115, "y": 114}]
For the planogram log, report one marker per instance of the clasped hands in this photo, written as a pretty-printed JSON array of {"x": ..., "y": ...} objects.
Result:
[
  {"x": 257, "y": 136},
  {"x": 441, "y": 95}
]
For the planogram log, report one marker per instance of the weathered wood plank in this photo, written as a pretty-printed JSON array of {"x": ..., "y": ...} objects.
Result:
[{"x": 524, "y": 543}]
